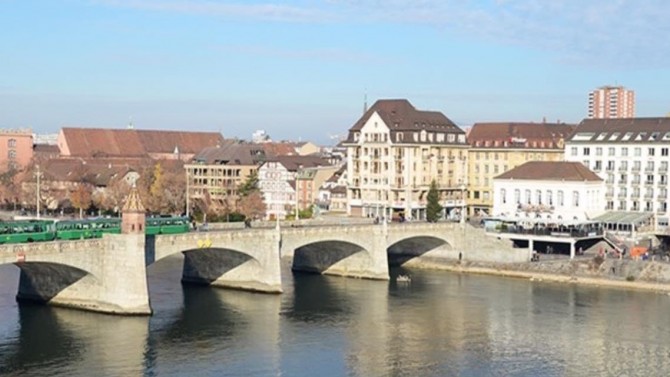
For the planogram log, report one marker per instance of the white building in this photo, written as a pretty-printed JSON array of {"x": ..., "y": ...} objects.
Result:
[
  {"x": 394, "y": 152},
  {"x": 277, "y": 182},
  {"x": 632, "y": 156},
  {"x": 549, "y": 190}
]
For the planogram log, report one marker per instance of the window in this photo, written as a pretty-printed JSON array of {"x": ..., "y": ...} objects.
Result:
[
  {"x": 503, "y": 196},
  {"x": 517, "y": 196},
  {"x": 598, "y": 165},
  {"x": 538, "y": 196},
  {"x": 560, "y": 197},
  {"x": 664, "y": 151},
  {"x": 610, "y": 151},
  {"x": 624, "y": 151},
  {"x": 599, "y": 151},
  {"x": 527, "y": 197},
  {"x": 573, "y": 151},
  {"x": 651, "y": 151},
  {"x": 550, "y": 200},
  {"x": 575, "y": 199},
  {"x": 587, "y": 151},
  {"x": 11, "y": 143},
  {"x": 637, "y": 151},
  {"x": 11, "y": 154}
]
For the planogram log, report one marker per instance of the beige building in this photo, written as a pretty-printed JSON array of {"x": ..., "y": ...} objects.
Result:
[
  {"x": 216, "y": 173},
  {"x": 394, "y": 151},
  {"x": 496, "y": 148},
  {"x": 611, "y": 102}
]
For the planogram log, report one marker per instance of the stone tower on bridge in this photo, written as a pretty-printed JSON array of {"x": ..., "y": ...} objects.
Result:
[{"x": 133, "y": 218}]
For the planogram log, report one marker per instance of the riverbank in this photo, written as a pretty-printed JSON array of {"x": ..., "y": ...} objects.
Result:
[{"x": 566, "y": 272}]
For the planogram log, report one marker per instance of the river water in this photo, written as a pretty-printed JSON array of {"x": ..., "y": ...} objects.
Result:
[{"x": 438, "y": 324}]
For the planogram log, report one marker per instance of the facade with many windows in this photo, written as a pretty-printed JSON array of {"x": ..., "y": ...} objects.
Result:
[
  {"x": 394, "y": 151},
  {"x": 549, "y": 190},
  {"x": 496, "y": 148},
  {"x": 16, "y": 149},
  {"x": 631, "y": 155}
]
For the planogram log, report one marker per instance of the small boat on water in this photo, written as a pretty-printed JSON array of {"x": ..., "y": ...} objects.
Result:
[{"x": 403, "y": 279}]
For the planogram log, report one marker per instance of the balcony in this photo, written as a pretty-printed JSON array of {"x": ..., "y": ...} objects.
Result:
[
  {"x": 649, "y": 196},
  {"x": 623, "y": 169},
  {"x": 622, "y": 182},
  {"x": 622, "y": 195},
  {"x": 663, "y": 169},
  {"x": 636, "y": 183},
  {"x": 648, "y": 183},
  {"x": 636, "y": 168}
]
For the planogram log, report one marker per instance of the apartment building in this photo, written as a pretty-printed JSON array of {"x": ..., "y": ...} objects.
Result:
[
  {"x": 16, "y": 149},
  {"x": 632, "y": 156},
  {"x": 394, "y": 151},
  {"x": 611, "y": 102},
  {"x": 277, "y": 181},
  {"x": 496, "y": 148},
  {"x": 216, "y": 173}
]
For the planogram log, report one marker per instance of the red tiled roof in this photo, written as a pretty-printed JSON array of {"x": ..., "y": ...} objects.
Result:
[
  {"x": 135, "y": 143},
  {"x": 519, "y": 135},
  {"x": 551, "y": 171}
]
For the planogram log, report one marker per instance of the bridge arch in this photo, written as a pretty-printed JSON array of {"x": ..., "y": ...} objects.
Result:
[
  {"x": 42, "y": 281},
  {"x": 405, "y": 249},
  {"x": 319, "y": 256},
  {"x": 207, "y": 265}
]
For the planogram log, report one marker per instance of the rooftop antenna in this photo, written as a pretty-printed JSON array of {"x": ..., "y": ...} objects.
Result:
[
  {"x": 365, "y": 101},
  {"x": 130, "y": 123}
]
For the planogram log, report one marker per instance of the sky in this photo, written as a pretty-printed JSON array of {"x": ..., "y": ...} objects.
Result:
[{"x": 302, "y": 69}]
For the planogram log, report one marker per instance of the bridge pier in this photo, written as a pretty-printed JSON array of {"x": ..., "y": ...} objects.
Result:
[{"x": 111, "y": 278}]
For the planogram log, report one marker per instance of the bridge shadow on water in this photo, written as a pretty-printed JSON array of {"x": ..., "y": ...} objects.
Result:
[{"x": 403, "y": 251}]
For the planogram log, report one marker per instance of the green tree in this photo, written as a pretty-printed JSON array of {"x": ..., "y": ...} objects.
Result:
[
  {"x": 249, "y": 186},
  {"x": 433, "y": 207}
]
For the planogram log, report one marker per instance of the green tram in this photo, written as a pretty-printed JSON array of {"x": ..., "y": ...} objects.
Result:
[
  {"x": 27, "y": 231},
  {"x": 48, "y": 230}
]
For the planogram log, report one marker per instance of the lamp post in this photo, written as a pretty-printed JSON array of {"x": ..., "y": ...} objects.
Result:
[
  {"x": 38, "y": 175},
  {"x": 463, "y": 209},
  {"x": 188, "y": 205}
]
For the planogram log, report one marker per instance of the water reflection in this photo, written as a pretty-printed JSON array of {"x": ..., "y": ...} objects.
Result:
[{"x": 76, "y": 343}]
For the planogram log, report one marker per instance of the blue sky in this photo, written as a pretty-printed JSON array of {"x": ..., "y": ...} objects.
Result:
[{"x": 301, "y": 68}]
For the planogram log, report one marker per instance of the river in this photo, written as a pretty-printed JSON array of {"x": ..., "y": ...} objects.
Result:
[{"x": 438, "y": 324}]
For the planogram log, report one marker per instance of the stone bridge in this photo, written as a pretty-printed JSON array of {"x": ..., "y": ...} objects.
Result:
[{"x": 109, "y": 274}]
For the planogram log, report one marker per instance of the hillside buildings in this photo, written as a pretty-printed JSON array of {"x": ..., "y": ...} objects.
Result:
[
  {"x": 394, "y": 151},
  {"x": 611, "y": 102},
  {"x": 632, "y": 156},
  {"x": 496, "y": 148},
  {"x": 549, "y": 190}
]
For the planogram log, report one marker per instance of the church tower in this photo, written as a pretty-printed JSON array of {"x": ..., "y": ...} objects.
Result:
[{"x": 133, "y": 218}]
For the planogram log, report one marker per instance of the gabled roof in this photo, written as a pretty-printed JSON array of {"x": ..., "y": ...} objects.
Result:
[
  {"x": 400, "y": 116},
  {"x": 294, "y": 163},
  {"x": 232, "y": 153},
  {"x": 100, "y": 142},
  {"x": 551, "y": 171},
  {"x": 519, "y": 135},
  {"x": 618, "y": 130},
  {"x": 279, "y": 149}
]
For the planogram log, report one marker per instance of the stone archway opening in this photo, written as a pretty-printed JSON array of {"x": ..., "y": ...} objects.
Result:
[
  {"x": 319, "y": 257},
  {"x": 410, "y": 248}
]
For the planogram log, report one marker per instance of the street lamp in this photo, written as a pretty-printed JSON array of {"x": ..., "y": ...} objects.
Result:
[
  {"x": 38, "y": 175},
  {"x": 462, "y": 187},
  {"x": 188, "y": 206}
]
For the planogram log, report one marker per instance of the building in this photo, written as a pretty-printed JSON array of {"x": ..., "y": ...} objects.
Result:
[
  {"x": 16, "y": 149},
  {"x": 216, "y": 173},
  {"x": 277, "y": 182},
  {"x": 632, "y": 156},
  {"x": 158, "y": 145},
  {"x": 394, "y": 151},
  {"x": 498, "y": 147},
  {"x": 308, "y": 182},
  {"x": 550, "y": 190},
  {"x": 611, "y": 102},
  {"x": 332, "y": 195}
]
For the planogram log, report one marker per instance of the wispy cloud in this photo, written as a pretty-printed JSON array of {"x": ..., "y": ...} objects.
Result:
[
  {"x": 262, "y": 11},
  {"x": 320, "y": 54},
  {"x": 604, "y": 33},
  {"x": 616, "y": 33}
]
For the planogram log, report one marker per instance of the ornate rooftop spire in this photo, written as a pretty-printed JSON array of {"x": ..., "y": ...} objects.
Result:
[{"x": 133, "y": 202}]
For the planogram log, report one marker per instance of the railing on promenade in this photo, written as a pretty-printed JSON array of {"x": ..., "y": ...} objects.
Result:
[{"x": 550, "y": 232}]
